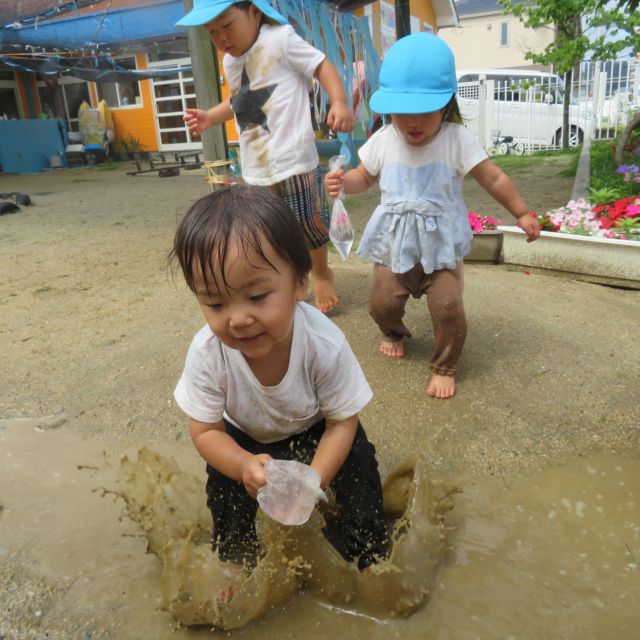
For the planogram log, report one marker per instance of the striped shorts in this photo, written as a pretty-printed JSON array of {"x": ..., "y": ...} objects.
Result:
[{"x": 306, "y": 197}]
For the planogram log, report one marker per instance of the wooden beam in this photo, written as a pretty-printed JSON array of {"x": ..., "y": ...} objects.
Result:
[
  {"x": 206, "y": 77},
  {"x": 403, "y": 19}
]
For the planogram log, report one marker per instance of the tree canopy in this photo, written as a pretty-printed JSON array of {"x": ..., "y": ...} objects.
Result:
[
  {"x": 630, "y": 5},
  {"x": 584, "y": 28}
]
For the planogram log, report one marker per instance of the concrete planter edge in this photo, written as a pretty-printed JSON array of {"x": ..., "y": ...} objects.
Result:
[
  {"x": 486, "y": 247},
  {"x": 600, "y": 260}
]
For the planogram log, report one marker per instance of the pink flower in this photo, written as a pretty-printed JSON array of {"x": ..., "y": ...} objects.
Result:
[
  {"x": 475, "y": 221},
  {"x": 482, "y": 223}
]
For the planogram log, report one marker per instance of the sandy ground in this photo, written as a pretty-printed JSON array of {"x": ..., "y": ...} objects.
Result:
[{"x": 94, "y": 330}]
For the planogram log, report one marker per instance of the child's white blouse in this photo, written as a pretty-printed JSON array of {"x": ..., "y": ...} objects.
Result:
[
  {"x": 422, "y": 217},
  {"x": 324, "y": 379}
]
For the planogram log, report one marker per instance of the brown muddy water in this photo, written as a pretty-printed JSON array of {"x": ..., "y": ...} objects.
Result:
[{"x": 553, "y": 554}]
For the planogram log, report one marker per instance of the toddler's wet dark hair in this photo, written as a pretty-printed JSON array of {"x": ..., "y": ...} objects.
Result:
[
  {"x": 452, "y": 111},
  {"x": 244, "y": 215}
]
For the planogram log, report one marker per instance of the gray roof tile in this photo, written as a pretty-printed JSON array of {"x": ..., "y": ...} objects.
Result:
[{"x": 469, "y": 7}]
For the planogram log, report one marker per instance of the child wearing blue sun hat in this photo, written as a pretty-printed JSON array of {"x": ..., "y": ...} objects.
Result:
[
  {"x": 269, "y": 69},
  {"x": 419, "y": 235}
]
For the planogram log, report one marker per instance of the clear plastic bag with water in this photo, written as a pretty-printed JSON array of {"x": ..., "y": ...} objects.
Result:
[
  {"x": 340, "y": 229},
  {"x": 291, "y": 493}
]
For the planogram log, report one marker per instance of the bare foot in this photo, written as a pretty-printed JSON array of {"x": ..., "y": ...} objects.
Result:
[
  {"x": 392, "y": 348},
  {"x": 234, "y": 573},
  {"x": 225, "y": 596},
  {"x": 442, "y": 386},
  {"x": 325, "y": 293},
  {"x": 322, "y": 279}
]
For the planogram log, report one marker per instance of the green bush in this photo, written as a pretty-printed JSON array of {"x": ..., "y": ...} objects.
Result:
[
  {"x": 606, "y": 185},
  {"x": 127, "y": 145}
]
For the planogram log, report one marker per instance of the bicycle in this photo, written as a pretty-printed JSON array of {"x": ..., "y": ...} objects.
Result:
[{"x": 503, "y": 145}]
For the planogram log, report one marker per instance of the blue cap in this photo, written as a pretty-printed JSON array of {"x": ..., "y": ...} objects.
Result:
[
  {"x": 418, "y": 75},
  {"x": 207, "y": 10}
]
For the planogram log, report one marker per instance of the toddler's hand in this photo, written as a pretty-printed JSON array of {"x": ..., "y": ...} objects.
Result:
[
  {"x": 197, "y": 120},
  {"x": 340, "y": 117},
  {"x": 253, "y": 476},
  {"x": 530, "y": 225},
  {"x": 333, "y": 182}
]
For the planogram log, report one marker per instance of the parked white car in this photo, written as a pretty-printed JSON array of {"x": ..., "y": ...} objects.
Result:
[{"x": 526, "y": 105}]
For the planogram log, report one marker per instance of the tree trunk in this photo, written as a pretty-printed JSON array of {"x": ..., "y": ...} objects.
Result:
[
  {"x": 206, "y": 78},
  {"x": 571, "y": 29},
  {"x": 566, "y": 102},
  {"x": 626, "y": 136}
]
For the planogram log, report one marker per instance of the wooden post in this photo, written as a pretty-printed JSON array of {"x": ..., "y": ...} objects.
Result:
[
  {"x": 206, "y": 77},
  {"x": 403, "y": 19}
]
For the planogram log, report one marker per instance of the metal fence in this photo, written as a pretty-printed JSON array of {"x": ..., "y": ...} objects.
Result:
[{"x": 517, "y": 111}]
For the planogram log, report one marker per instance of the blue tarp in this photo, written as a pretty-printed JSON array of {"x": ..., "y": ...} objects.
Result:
[
  {"x": 342, "y": 36},
  {"x": 106, "y": 28},
  {"x": 92, "y": 68},
  {"x": 28, "y": 146}
]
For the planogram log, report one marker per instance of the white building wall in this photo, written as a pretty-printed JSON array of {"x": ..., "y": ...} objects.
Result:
[{"x": 476, "y": 43}]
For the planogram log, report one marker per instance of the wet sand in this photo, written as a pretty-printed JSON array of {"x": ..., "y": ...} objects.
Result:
[{"x": 93, "y": 332}]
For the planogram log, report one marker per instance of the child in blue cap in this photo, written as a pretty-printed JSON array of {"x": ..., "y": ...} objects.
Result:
[
  {"x": 269, "y": 68},
  {"x": 419, "y": 234}
]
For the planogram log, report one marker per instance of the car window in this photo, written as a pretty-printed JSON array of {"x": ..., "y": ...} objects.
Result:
[
  {"x": 512, "y": 87},
  {"x": 501, "y": 88}
]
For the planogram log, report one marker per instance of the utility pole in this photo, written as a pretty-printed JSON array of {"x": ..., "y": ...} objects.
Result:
[
  {"x": 403, "y": 18},
  {"x": 206, "y": 75}
]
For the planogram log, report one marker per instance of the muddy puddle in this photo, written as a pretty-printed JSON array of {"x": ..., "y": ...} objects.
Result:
[{"x": 548, "y": 555}]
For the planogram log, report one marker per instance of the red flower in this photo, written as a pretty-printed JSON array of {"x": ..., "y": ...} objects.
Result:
[{"x": 605, "y": 223}]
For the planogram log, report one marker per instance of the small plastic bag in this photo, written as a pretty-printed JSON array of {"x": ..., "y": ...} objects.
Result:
[
  {"x": 340, "y": 229},
  {"x": 291, "y": 493}
]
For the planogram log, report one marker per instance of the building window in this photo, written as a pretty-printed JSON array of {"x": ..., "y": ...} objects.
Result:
[
  {"x": 8, "y": 104},
  {"x": 62, "y": 97},
  {"x": 174, "y": 50},
  {"x": 504, "y": 34},
  {"x": 125, "y": 93}
]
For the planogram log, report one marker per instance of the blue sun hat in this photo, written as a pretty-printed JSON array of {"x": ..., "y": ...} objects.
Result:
[
  {"x": 418, "y": 75},
  {"x": 207, "y": 10}
]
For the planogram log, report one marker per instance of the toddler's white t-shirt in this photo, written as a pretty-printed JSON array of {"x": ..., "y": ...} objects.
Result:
[
  {"x": 269, "y": 86},
  {"x": 422, "y": 217},
  {"x": 324, "y": 379}
]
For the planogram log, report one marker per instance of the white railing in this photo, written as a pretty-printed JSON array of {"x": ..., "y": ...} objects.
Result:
[{"x": 522, "y": 111}]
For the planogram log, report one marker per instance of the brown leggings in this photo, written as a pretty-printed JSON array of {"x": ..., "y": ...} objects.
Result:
[{"x": 390, "y": 292}]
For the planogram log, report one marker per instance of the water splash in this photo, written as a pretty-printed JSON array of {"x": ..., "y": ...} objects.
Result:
[{"x": 169, "y": 506}]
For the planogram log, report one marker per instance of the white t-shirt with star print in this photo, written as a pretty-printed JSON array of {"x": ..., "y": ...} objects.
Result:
[{"x": 269, "y": 89}]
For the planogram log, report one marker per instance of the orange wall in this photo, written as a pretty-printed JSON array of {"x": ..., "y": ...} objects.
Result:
[
  {"x": 423, "y": 10},
  {"x": 138, "y": 121},
  {"x": 26, "y": 83},
  {"x": 23, "y": 95},
  {"x": 36, "y": 94},
  {"x": 232, "y": 132}
]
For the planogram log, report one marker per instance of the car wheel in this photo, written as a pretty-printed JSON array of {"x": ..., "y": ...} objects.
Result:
[{"x": 576, "y": 137}]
